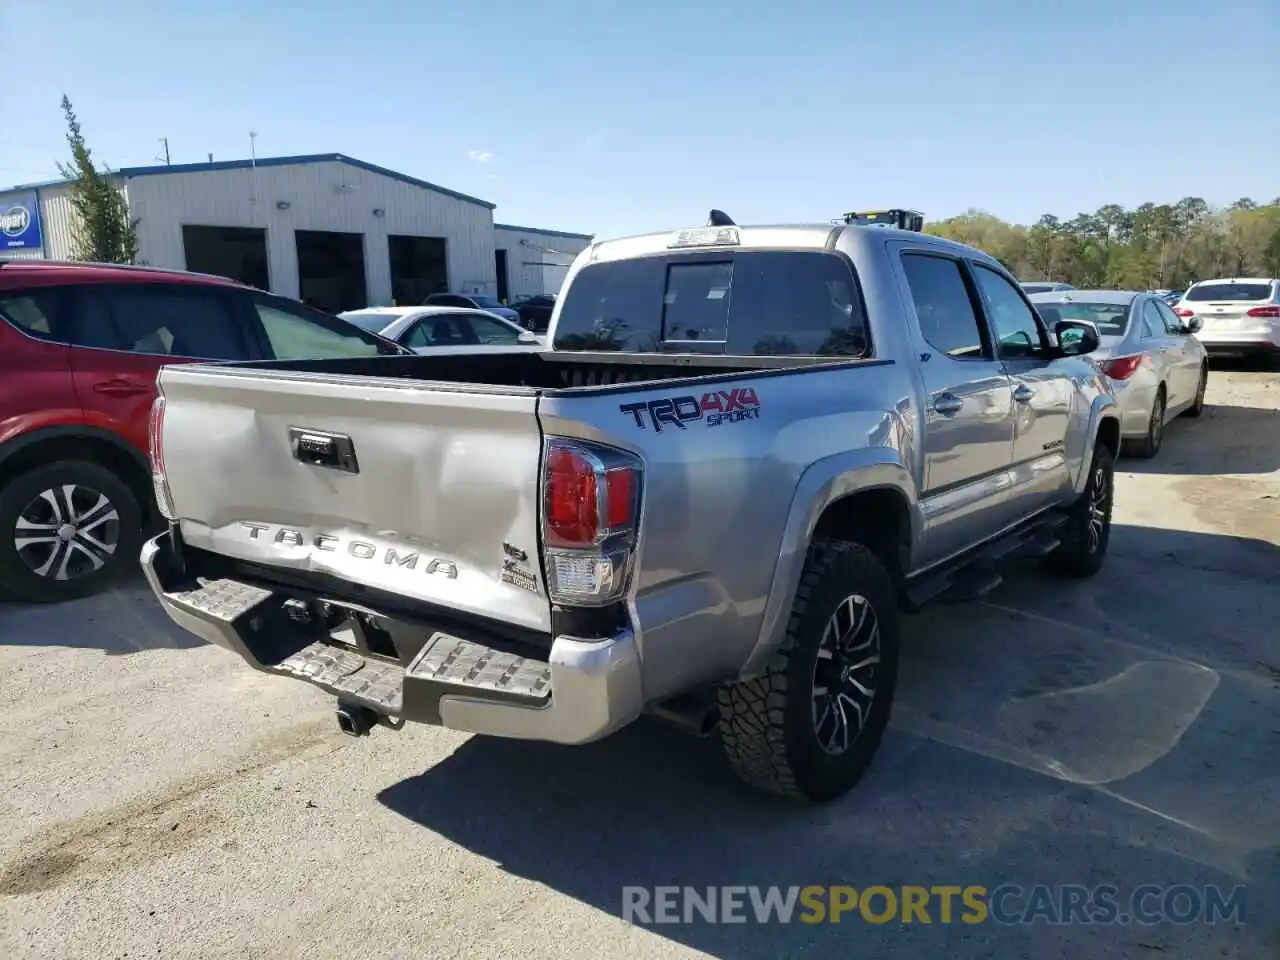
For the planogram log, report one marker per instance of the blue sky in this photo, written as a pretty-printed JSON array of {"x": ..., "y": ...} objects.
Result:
[{"x": 614, "y": 118}]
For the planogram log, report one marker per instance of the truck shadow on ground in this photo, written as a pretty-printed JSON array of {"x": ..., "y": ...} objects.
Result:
[
  {"x": 1091, "y": 732},
  {"x": 1226, "y": 439},
  {"x": 124, "y": 619}
]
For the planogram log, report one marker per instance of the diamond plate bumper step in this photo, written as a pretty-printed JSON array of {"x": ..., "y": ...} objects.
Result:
[{"x": 351, "y": 676}]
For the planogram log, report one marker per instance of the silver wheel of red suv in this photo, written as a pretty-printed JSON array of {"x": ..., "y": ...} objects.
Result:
[{"x": 65, "y": 530}]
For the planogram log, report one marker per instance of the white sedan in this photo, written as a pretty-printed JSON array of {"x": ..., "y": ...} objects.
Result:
[{"x": 428, "y": 329}]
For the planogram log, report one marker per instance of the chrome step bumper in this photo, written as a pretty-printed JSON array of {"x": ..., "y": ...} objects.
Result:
[{"x": 582, "y": 691}]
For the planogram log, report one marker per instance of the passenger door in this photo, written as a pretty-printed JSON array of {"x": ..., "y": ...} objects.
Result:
[
  {"x": 1185, "y": 353},
  {"x": 968, "y": 415},
  {"x": 126, "y": 332},
  {"x": 1042, "y": 393}
]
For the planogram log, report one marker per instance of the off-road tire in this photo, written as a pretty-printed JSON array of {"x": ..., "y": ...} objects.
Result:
[
  {"x": 1149, "y": 446},
  {"x": 767, "y": 724},
  {"x": 17, "y": 580},
  {"x": 1081, "y": 554},
  {"x": 1197, "y": 408}
]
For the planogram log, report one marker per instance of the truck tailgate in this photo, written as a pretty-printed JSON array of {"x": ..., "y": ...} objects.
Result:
[{"x": 430, "y": 493}]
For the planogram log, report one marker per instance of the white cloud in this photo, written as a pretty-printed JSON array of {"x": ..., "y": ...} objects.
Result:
[{"x": 480, "y": 156}]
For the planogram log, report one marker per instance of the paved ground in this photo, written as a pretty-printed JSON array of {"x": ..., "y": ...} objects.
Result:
[{"x": 158, "y": 799}]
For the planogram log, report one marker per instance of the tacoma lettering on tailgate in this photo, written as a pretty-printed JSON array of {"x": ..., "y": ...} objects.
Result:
[{"x": 360, "y": 549}]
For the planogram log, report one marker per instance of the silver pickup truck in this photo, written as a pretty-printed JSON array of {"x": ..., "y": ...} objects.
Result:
[{"x": 746, "y": 452}]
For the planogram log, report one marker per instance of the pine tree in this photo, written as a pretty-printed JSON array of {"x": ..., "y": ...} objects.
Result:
[{"x": 103, "y": 232}]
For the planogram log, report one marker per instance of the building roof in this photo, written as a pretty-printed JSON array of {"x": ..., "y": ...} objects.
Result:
[
  {"x": 164, "y": 168},
  {"x": 545, "y": 233}
]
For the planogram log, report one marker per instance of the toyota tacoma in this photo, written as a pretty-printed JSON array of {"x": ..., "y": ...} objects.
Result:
[{"x": 747, "y": 451}]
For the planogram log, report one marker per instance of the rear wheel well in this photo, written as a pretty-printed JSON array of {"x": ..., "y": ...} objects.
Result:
[
  {"x": 93, "y": 449},
  {"x": 878, "y": 519},
  {"x": 1109, "y": 435}
]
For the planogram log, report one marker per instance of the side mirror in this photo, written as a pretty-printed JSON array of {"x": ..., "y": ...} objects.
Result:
[
  {"x": 527, "y": 337},
  {"x": 1192, "y": 323},
  {"x": 1076, "y": 337}
]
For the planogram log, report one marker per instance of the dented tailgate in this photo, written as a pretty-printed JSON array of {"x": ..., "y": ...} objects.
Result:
[{"x": 430, "y": 493}]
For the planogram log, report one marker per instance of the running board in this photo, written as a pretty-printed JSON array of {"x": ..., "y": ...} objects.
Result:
[{"x": 974, "y": 574}]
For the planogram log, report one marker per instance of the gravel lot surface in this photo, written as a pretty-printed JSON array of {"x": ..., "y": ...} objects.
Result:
[{"x": 157, "y": 798}]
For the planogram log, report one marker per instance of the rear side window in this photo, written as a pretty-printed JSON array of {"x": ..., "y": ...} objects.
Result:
[
  {"x": 755, "y": 303},
  {"x": 35, "y": 313},
  {"x": 948, "y": 321},
  {"x": 170, "y": 320},
  {"x": 1229, "y": 292}
]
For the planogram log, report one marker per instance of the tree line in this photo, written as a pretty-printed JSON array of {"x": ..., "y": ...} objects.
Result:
[{"x": 1153, "y": 247}]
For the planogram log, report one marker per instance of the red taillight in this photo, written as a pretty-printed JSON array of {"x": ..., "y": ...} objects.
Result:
[
  {"x": 586, "y": 500},
  {"x": 1122, "y": 368},
  {"x": 1264, "y": 312},
  {"x": 620, "y": 491},
  {"x": 1184, "y": 312},
  {"x": 572, "y": 498},
  {"x": 591, "y": 501}
]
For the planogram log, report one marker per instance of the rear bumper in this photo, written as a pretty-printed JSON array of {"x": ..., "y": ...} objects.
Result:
[
  {"x": 582, "y": 691},
  {"x": 1240, "y": 343}
]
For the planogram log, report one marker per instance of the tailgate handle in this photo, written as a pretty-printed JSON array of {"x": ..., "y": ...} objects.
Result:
[{"x": 319, "y": 448}]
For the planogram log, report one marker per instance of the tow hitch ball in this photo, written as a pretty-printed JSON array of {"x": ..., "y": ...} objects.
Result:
[{"x": 355, "y": 720}]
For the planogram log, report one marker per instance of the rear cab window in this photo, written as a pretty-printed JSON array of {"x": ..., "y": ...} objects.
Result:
[{"x": 803, "y": 303}]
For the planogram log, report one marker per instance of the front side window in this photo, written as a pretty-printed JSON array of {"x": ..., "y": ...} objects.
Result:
[
  {"x": 944, "y": 309},
  {"x": 460, "y": 330},
  {"x": 1018, "y": 333},
  {"x": 1171, "y": 321},
  {"x": 295, "y": 332},
  {"x": 489, "y": 331},
  {"x": 1152, "y": 321}
]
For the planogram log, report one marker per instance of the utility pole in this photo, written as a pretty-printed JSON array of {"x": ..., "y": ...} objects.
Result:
[
  {"x": 253, "y": 173},
  {"x": 164, "y": 142}
]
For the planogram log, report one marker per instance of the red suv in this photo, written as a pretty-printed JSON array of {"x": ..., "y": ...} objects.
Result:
[{"x": 80, "y": 347}]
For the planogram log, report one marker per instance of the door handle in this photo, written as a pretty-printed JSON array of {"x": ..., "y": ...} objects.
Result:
[
  {"x": 1023, "y": 394},
  {"x": 120, "y": 388},
  {"x": 947, "y": 404}
]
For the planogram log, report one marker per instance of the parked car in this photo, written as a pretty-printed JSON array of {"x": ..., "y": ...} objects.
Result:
[
  {"x": 710, "y": 499},
  {"x": 433, "y": 328},
  {"x": 1030, "y": 287},
  {"x": 80, "y": 347},
  {"x": 472, "y": 301},
  {"x": 535, "y": 312},
  {"x": 1239, "y": 317},
  {"x": 1158, "y": 368}
]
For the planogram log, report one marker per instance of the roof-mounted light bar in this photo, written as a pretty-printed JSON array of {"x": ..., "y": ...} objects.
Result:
[{"x": 896, "y": 218}]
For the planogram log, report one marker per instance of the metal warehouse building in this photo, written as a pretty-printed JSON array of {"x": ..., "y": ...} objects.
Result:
[
  {"x": 327, "y": 229},
  {"x": 531, "y": 261}
]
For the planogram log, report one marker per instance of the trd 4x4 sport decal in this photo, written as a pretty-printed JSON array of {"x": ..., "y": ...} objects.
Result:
[{"x": 715, "y": 409}]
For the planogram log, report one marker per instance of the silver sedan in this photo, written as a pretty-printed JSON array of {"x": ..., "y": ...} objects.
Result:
[{"x": 1157, "y": 366}]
